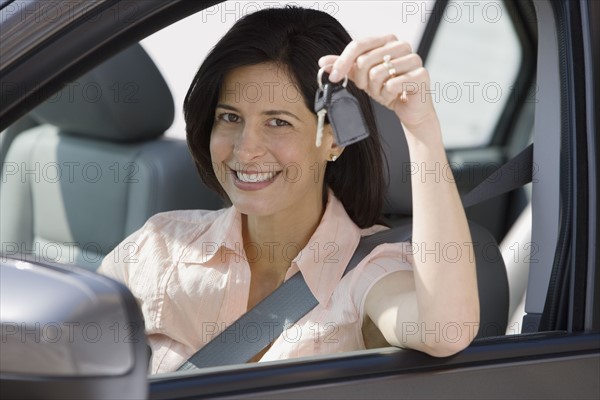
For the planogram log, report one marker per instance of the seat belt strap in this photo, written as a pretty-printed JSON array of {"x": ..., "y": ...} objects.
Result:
[
  {"x": 268, "y": 319},
  {"x": 515, "y": 173},
  {"x": 293, "y": 299}
]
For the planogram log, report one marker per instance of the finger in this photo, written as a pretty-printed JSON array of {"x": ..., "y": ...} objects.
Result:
[
  {"x": 327, "y": 60},
  {"x": 370, "y": 72},
  {"x": 378, "y": 75},
  {"x": 344, "y": 63},
  {"x": 395, "y": 49},
  {"x": 399, "y": 66},
  {"x": 410, "y": 83},
  {"x": 407, "y": 63}
]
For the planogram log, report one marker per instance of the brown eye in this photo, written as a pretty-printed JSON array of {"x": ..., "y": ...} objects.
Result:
[
  {"x": 229, "y": 117},
  {"x": 278, "y": 122}
]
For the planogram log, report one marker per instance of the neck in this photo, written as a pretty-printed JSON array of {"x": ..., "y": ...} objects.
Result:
[{"x": 273, "y": 241}]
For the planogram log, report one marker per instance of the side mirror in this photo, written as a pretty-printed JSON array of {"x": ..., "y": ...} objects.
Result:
[{"x": 68, "y": 333}]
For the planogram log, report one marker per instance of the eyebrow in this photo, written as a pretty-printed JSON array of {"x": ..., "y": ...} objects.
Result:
[{"x": 269, "y": 112}]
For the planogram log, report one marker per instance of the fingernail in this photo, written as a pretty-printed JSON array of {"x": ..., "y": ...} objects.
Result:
[
  {"x": 321, "y": 62},
  {"x": 334, "y": 76}
]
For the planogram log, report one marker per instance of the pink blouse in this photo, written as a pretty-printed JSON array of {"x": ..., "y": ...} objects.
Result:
[{"x": 189, "y": 272}]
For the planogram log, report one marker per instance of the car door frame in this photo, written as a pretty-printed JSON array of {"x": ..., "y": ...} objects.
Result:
[{"x": 502, "y": 363}]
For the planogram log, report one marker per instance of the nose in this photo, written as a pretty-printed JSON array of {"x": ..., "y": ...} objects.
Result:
[{"x": 249, "y": 144}]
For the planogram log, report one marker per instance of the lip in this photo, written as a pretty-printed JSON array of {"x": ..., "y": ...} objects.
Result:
[{"x": 252, "y": 186}]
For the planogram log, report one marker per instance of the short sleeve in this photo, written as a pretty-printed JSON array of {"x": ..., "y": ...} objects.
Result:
[{"x": 384, "y": 260}]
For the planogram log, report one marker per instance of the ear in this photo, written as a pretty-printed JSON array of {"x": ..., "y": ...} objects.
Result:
[{"x": 329, "y": 144}]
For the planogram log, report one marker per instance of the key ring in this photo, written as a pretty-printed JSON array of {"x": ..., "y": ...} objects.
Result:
[{"x": 320, "y": 77}]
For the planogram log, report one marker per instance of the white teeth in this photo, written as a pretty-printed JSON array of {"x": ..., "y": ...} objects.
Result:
[{"x": 254, "y": 178}]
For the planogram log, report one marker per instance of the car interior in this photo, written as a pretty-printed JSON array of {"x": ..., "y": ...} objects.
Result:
[
  {"x": 97, "y": 170},
  {"x": 81, "y": 172}
]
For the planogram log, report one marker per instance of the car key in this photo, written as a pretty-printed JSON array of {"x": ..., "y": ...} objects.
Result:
[
  {"x": 343, "y": 111},
  {"x": 322, "y": 98}
]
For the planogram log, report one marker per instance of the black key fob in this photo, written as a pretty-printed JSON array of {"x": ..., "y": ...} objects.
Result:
[{"x": 346, "y": 118}]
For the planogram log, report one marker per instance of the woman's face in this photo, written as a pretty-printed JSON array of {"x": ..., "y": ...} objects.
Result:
[{"x": 263, "y": 144}]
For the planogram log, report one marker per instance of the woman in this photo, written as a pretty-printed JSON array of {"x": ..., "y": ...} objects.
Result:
[{"x": 251, "y": 129}]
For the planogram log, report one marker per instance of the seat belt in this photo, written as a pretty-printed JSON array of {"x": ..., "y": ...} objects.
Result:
[
  {"x": 238, "y": 343},
  {"x": 517, "y": 172}
]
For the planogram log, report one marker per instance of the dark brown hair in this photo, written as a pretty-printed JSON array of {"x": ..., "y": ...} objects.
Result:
[{"x": 294, "y": 38}]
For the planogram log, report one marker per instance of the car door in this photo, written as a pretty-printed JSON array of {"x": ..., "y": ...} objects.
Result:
[{"x": 562, "y": 362}]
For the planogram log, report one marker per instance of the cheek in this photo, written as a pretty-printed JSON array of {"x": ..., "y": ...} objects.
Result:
[
  {"x": 300, "y": 161},
  {"x": 220, "y": 147},
  {"x": 292, "y": 156}
]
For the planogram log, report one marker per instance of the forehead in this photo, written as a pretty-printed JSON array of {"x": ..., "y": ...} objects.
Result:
[
  {"x": 260, "y": 83},
  {"x": 265, "y": 72}
]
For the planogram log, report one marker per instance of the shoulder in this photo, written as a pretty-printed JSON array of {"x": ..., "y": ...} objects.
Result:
[
  {"x": 169, "y": 232},
  {"x": 161, "y": 239},
  {"x": 388, "y": 254},
  {"x": 385, "y": 259},
  {"x": 180, "y": 223},
  {"x": 184, "y": 218}
]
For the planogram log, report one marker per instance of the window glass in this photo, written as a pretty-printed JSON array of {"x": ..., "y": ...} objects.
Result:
[
  {"x": 179, "y": 49},
  {"x": 473, "y": 63}
]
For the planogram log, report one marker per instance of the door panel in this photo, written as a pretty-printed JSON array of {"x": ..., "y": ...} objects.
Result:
[
  {"x": 573, "y": 377},
  {"x": 534, "y": 365}
]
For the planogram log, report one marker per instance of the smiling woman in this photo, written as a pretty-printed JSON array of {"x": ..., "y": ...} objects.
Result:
[
  {"x": 260, "y": 148},
  {"x": 301, "y": 207}
]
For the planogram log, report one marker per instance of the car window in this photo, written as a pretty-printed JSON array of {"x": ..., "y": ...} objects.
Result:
[
  {"x": 195, "y": 35},
  {"x": 473, "y": 62}
]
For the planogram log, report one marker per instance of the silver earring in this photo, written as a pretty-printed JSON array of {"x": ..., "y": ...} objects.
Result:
[{"x": 333, "y": 157}]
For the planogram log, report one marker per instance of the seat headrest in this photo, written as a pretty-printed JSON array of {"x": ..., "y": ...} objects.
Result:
[
  {"x": 123, "y": 99},
  {"x": 398, "y": 199}
]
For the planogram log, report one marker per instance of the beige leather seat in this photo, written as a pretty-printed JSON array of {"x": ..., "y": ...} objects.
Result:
[{"x": 97, "y": 167}]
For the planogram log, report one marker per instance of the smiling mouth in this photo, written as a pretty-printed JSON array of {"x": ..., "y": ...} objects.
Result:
[{"x": 255, "y": 177}]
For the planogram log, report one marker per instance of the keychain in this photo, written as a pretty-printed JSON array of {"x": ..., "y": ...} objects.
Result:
[{"x": 343, "y": 111}]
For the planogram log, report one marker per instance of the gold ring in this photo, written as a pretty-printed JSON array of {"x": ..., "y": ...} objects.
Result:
[
  {"x": 387, "y": 63},
  {"x": 404, "y": 97}
]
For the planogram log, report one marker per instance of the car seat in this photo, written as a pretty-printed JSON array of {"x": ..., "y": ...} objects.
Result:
[
  {"x": 491, "y": 271},
  {"x": 10, "y": 133},
  {"x": 518, "y": 251},
  {"x": 97, "y": 167}
]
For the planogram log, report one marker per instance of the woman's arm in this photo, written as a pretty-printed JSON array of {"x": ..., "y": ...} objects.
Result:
[{"x": 436, "y": 308}]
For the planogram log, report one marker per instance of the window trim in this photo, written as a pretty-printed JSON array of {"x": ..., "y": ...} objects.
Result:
[
  {"x": 378, "y": 363},
  {"x": 526, "y": 31},
  {"x": 39, "y": 71}
]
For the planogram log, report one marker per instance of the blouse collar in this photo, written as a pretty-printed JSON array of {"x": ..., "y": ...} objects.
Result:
[{"x": 322, "y": 261}]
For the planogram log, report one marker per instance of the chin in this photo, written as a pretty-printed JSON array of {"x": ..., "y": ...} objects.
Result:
[{"x": 256, "y": 207}]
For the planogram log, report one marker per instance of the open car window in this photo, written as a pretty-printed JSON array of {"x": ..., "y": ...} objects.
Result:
[
  {"x": 475, "y": 60},
  {"x": 179, "y": 49}
]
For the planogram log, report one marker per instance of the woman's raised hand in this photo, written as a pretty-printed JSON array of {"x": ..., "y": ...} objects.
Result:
[
  {"x": 389, "y": 71},
  {"x": 442, "y": 292}
]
